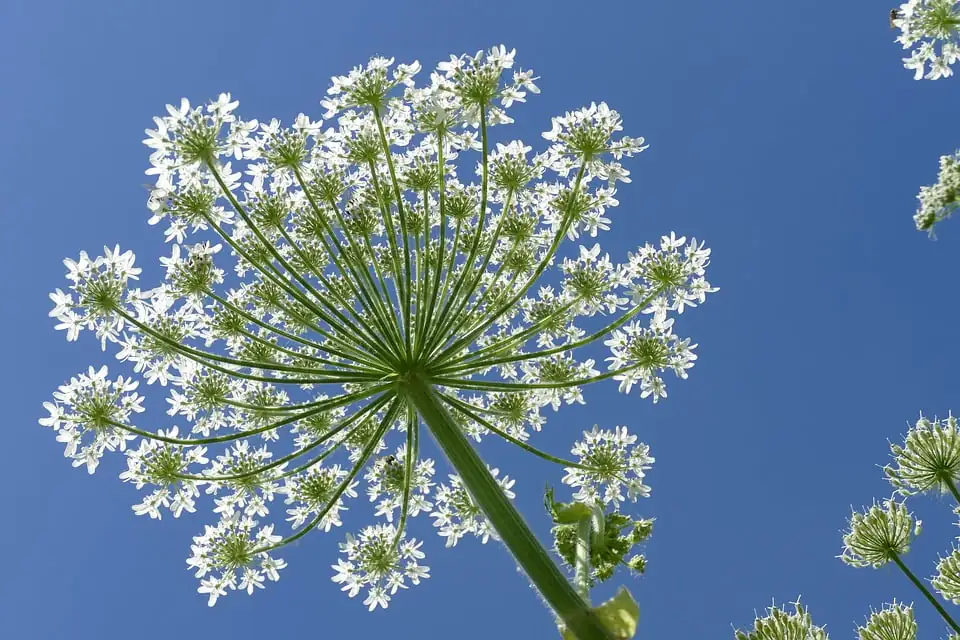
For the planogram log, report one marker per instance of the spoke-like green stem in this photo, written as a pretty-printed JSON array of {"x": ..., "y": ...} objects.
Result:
[
  {"x": 267, "y": 271},
  {"x": 512, "y": 341},
  {"x": 471, "y": 256},
  {"x": 472, "y": 412},
  {"x": 373, "y": 407},
  {"x": 441, "y": 246},
  {"x": 532, "y": 557},
  {"x": 485, "y": 385},
  {"x": 280, "y": 332},
  {"x": 401, "y": 282},
  {"x": 926, "y": 593},
  {"x": 409, "y": 468},
  {"x": 403, "y": 223},
  {"x": 325, "y": 405},
  {"x": 367, "y": 451},
  {"x": 365, "y": 337},
  {"x": 492, "y": 316},
  {"x": 331, "y": 290},
  {"x": 374, "y": 300},
  {"x": 204, "y": 357},
  {"x": 460, "y": 316}
]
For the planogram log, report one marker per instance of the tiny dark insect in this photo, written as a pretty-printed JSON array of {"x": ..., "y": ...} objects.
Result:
[
  {"x": 894, "y": 15},
  {"x": 390, "y": 460}
]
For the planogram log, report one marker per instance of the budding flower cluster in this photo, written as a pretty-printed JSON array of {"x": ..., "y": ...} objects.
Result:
[
  {"x": 780, "y": 625},
  {"x": 894, "y": 622},
  {"x": 879, "y": 535},
  {"x": 929, "y": 458}
]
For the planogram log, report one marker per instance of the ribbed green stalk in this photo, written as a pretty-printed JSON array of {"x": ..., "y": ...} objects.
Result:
[{"x": 536, "y": 562}]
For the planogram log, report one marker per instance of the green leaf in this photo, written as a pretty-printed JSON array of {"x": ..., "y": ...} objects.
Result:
[
  {"x": 619, "y": 615},
  {"x": 565, "y": 512},
  {"x": 571, "y": 513}
]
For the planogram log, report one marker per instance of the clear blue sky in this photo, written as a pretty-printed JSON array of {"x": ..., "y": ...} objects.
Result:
[{"x": 786, "y": 135}]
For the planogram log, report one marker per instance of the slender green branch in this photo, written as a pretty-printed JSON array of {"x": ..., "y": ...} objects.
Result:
[
  {"x": 356, "y": 283},
  {"x": 471, "y": 412},
  {"x": 484, "y": 385},
  {"x": 373, "y": 407},
  {"x": 332, "y": 403},
  {"x": 403, "y": 221},
  {"x": 367, "y": 451},
  {"x": 471, "y": 256},
  {"x": 270, "y": 273},
  {"x": 204, "y": 357},
  {"x": 510, "y": 343},
  {"x": 363, "y": 338},
  {"x": 926, "y": 593},
  {"x": 492, "y": 317},
  {"x": 409, "y": 468}
]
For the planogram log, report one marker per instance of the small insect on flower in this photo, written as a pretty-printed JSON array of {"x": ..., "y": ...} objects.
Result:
[{"x": 894, "y": 15}]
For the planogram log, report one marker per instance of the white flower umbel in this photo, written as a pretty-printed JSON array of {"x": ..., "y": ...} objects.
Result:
[
  {"x": 923, "y": 25},
  {"x": 377, "y": 561},
  {"x": 336, "y": 284},
  {"x": 609, "y": 462}
]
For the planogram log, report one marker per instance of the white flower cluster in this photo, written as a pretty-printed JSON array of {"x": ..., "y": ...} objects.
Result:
[
  {"x": 457, "y": 513},
  {"x": 376, "y": 561},
  {"x": 235, "y": 557},
  {"x": 610, "y": 461},
  {"x": 387, "y": 482},
  {"x": 89, "y": 414},
  {"x": 940, "y": 200},
  {"x": 923, "y": 24},
  {"x": 162, "y": 465},
  {"x": 100, "y": 286}
]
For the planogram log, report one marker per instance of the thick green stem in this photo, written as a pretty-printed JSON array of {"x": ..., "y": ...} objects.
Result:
[
  {"x": 532, "y": 557},
  {"x": 926, "y": 592}
]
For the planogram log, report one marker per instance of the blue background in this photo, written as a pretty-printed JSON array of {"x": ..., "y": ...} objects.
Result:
[{"x": 786, "y": 135}]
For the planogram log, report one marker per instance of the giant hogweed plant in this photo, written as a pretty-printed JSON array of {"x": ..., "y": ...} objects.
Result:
[{"x": 335, "y": 288}]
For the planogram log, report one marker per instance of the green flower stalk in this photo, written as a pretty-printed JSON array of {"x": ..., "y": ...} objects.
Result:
[{"x": 374, "y": 290}]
